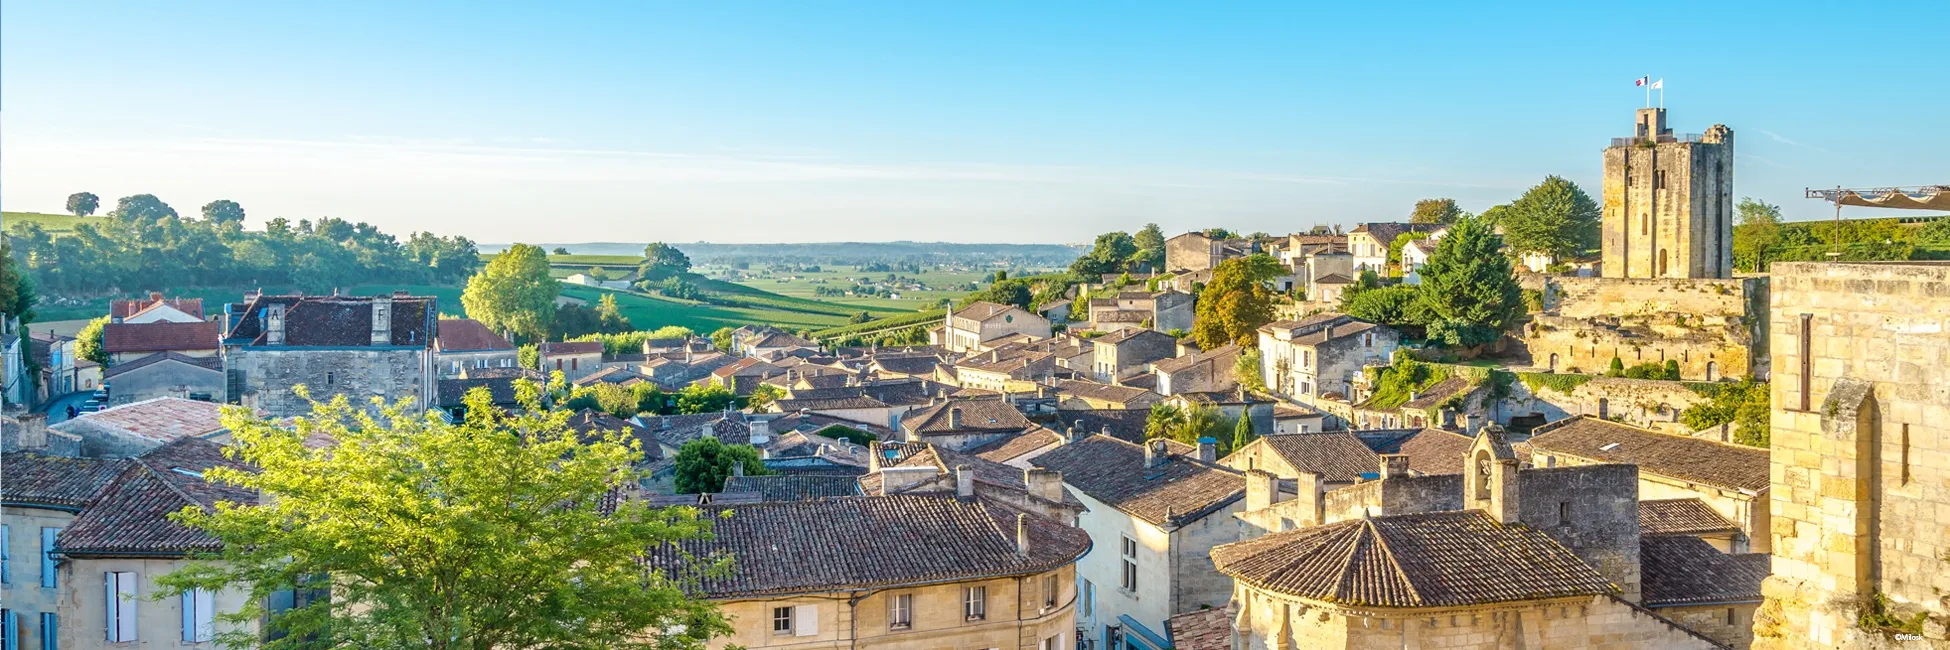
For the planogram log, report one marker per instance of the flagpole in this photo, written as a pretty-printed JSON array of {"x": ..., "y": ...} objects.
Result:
[{"x": 1648, "y": 90}]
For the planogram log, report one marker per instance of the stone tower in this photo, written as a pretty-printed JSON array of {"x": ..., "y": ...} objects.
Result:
[{"x": 1668, "y": 202}]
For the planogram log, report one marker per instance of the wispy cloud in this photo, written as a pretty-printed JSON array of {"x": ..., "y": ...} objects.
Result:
[{"x": 1787, "y": 141}]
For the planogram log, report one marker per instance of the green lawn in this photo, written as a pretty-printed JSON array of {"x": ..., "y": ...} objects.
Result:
[
  {"x": 803, "y": 284},
  {"x": 52, "y": 223}
]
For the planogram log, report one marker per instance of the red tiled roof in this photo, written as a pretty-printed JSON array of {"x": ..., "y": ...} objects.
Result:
[
  {"x": 468, "y": 335},
  {"x": 159, "y": 336},
  {"x": 163, "y": 419},
  {"x": 550, "y": 348},
  {"x": 121, "y": 309}
]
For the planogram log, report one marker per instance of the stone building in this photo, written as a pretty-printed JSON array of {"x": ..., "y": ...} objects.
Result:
[
  {"x": 1731, "y": 479},
  {"x": 893, "y": 571},
  {"x": 125, "y": 342},
  {"x": 959, "y": 424},
  {"x": 1861, "y": 422},
  {"x": 1713, "y": 328},
  {"x": 1369, "y": 242},
  {"x": 166, "y": 374},
  {"x": 1206, "y": 371},
  {"x": 1161, "y": 310},
  {"x": 1321, "y": 354},
  {"x": 356, "y": 347},
  {"x": 969, "y": 328},
  {"x": 129, "y": 430},
  {"x": 1124, "y": 353},
  {"x": 1668, "y": 202},
  {"x": 464, "y": 343},
  {"x": 574, "y": 359},
  {"x": 1194, "y": 251}
]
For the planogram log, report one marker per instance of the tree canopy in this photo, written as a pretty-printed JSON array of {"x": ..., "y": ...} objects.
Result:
[
  {"x": 18, "y": 290},
  {"x": 82, "y": 204},
  {"x": 223, "y": 210},
  {"x": 1150, "y": 242},
  {"x": 514, "y": 293},
  {"x": 704, "y": 463},
  {"x": 1111, "y": 253},
  {"x": 1236, "y": 302},
  {"x": 500, "y": 531},
  {"x": 1435, "y": 211},
  {"x": 1757, "y": 228},
  {"x": 661, "y": 260},
  {"x": 1468, "y": 294},
  {"x": 143, "y": 207},
  {"x": 1555, "y": 218},
  {"x": 1007, "y": 292}
]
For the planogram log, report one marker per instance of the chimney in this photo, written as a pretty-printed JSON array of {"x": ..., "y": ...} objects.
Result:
[
  {"x": 382, "y": 321},
  {"x": 1022, "y": 534},
  {"x": 1310, "y": 501},
  {"x": 1071, "y": 435},
  {"x": 33, "y": 431},
  {"x": 1045, "y": 484},
  {"x": 273, "y": 324},
  {"x": 155, "y": 296},
  {"x": 965, "y": 481},
  {"x": 738, "y": 468},
  {"x": 1155, "y": 453},
  {"x": 1394, "y": 465},
  {"x": 1208, "y": 449},
  {"x": 1262, "y": 489},
  {"x": 761, "y": 432},
  {"x": 1327, "y": 333},
  {"x": 1414, "y": 395},
  {"x": 954, "y": 418},
  {"x": 897, "y": 479}
]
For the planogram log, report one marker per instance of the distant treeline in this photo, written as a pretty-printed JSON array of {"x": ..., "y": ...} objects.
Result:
[
  {"x": 850, "y": 253},
  {"x": 118, "y": 254}
]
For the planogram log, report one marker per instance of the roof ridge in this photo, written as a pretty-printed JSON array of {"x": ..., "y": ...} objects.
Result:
[
  {"x": 164, "y": 480},
  {"x": 1395, "y": 564}
]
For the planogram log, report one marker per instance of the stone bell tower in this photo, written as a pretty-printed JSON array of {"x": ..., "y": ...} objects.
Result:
[{"x": 1668, "y": 202}]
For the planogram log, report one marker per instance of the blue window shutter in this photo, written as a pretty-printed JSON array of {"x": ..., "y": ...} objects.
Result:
[
  {"x": 50, "y": 631},
  {"x": 48, "y": 535},
  {"x": 189, "y": 616},
  {"x": 6, "y": 557},
  {"x": 9, "y": 630}
]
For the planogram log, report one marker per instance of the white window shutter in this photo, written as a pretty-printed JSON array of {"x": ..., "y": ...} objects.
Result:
[
  {"x": 206, "y": 614},
  {"x": 805, "y": 620},
  {"x": 125, "y": 605},
  {"x": 111, "y": 601}
]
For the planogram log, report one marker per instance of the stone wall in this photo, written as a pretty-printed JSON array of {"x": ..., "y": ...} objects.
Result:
[
  {"x": 1732, "y": 624},
  {"x": 1592, "y": 623},
  {"x": 1591, "y": 510},
  {"x": 1714, "y": 328},
  {"x": 1401, "y": 495},
  {"x": 266, "y": 377},
  {"x": 1190, "y": 252},
  {"x": 1861, "y": 427},
  {"x": 1645, "y": 403},
  {"x": 1196, "y": 582},
  {"x": 166, "y": 379},
  {"x": 1015, "y": 618},
  {"x": 1668, "y": 206}
]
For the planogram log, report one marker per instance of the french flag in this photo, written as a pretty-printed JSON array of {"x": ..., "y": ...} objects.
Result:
[{"x": 1642, "y": 81}]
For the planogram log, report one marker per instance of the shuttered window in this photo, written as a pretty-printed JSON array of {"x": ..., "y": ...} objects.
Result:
[
  {"x": 48, "y": 535},
  {"x": 199, "y": 610},
  {"x": 119, "y": 603}
]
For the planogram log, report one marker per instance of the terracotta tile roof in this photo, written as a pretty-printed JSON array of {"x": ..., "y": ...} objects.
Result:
[
  {"x": 982, "y": 310},
  {"x": 1443, "y": 559},
  {"x": 563, "y": 348},
  {"x": 1681, "y": 517},
  {"x": 163, "y": 419},
  {"x": 1385, "y": 232},
  {"x": 976, "y": 416},
  {"x": 907, "y": 365},
  {"x": 336, "y": 321},
  {"x": 214, "y": 364},
  {"x": 1123, "y": 424},
  {"x": 780, "y": 340},
  {"x": 1178, "y": 363},
  {"x": 1431, "y": 396},
  {"x": 1126, "y": 335},
  {"x": 1205, "y": 629},
  {"x": 618, "y": 375},
  {"x": 1681, "y": 570},
  {"x": 1104, "y": 392},
  {"x": 1693, "y": 459},
  {"x": 121, "y": 309},
  {"x": 828, "y": 404},
  {"x": 54, "y": 480},
  {"x": 867, "y": 542},
  {"x": 1146, "y": 381},
  {"x": 1007, "y": 449},
  {"x": 814, "y": 422},
  {"x": 467, "y": 335},
  {"x": 1435, "y": 452},
  {"x": 159, "y": 336},
  {"x": 795, "y": 487},
  {"x": 1336, "y": 456},
  {"x": 1334, "y": 278},
  {"x": 675, "y": 430},
  {"x": 1112, "y": 471},
  {"x": 590, "y": 422},
  {"x": 131, "y": 516}
]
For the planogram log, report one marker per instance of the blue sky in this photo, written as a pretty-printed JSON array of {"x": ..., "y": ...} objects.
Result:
[{"x": 1009, "y": 122}]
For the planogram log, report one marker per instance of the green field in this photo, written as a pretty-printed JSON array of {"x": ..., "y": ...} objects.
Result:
[
  {"x": 647, "y": 312},
  {"x": 803, "y": 284},
  {"x": 52, "y": 223}
]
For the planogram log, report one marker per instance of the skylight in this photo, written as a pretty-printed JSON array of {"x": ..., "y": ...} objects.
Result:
[
  {"x": 186, "y": 472},
  {"x": 1608, "y": 447}
]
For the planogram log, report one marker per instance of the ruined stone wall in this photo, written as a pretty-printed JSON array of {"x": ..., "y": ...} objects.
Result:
[
  {"x": 266, "y": 377},
  {"x": 1595, "y": 623},
  {"x": 1574, "y": 297},
  {"x": 1401, "y": 495},
  {"x": 1646, "y": 403},
  {"x": 1731, "y": 624},
  {"x": 1861, "y": 453},
  {"x": 1714, "y": 328}
]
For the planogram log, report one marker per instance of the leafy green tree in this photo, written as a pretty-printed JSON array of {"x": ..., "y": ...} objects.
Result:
[
  {"x": 82, "y": 204},
  {"x": 1468, "y": 294},
  {"x": 1756, "y": 230},
  {"x": 1555, "y": 218},
  {"x": 1236, "y": 302},
  {"x": 721, "y": 338},
  {"x": 425, "y": 529},
  {"x": 1111, "y": 253},
  {"x": 606, "y": 397},
  {"x": 1672, "y": 370},
  {"x": 610, "y": 318},
  {"x": 514, "y": 293},
  {"x": 1395, "y": 247},
  {"x": 849, "y": 434},
  {"x": 650, "y": 398},
  {"x": 764, "y": 395},
  {"x": 223, "y": 211},
  {"x": 1494, "y": 215},
  {"x": 859, "y": 318},
  {"x": 1162, "y": 419},
  {"x": 661, "y": 260},
  {"x": 88, "y": 342},
  {"x": 1220, "y": 233},
  {"x": 559, "y": 251},
  {"x": 1935, "y": 232},
  {"x": 698, "y": 398},
  {"x": 1150, "y": 243},
  {"x": 1435, "y": 211},
  {"x": 1246, "y": 368},
  {"x": 18, "y": 289},
  {"x": 1617, "y": 368},
  {"x": 528, "y": 356},
  {"x": 144, "y": 207},
  {"x": 704, "y": 463},
  {"x": 1006, "y": 292},
  {"x": 1744, "y": 403},
  {"x": 1396, "y": 306},
  {"x": 1242, "y": 433}
]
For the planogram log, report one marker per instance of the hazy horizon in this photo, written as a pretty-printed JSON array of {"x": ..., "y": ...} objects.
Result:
[{"x": 1001, "y": 123}]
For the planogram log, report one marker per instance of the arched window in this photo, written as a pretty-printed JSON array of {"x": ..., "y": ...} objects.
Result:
[
  {"x": 1712, "y": 371},
  {"x": 1662, "y": 262},
  {"x": 1482, "y": 469},
  {"x": 1553, "y": 365}
]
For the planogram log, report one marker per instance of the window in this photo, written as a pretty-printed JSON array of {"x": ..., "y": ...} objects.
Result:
[
  {"x": 6, "y": 557},
  {"x": 9, "y": 630},
  {"x": 120, "y": 603},
  {"x": 48, "y": 578},
  {"x": 1129, "y": 554},
  {"x": 1087, "y": 602},
  {"x": 1368, "y": 339},
  {"x": 558, "y": 364},
  {"x": 1049, "y": 591},
  {"x": 1052, "y": 643},
  {"x": 50, "y": 631},
  {"x": 975, "y": 603},
  {"x": 1563, "y": 513},
  {"x": 781, "y": 620},
  {"x": 575, "y": 364},
  {"x": 900, "y": 612},
  {"x": 1659, "y": 179},
  {"x": 328, "y": 379},
  {"x": 1731, "y": 617},
  {"x": 199, "y": 607}
]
